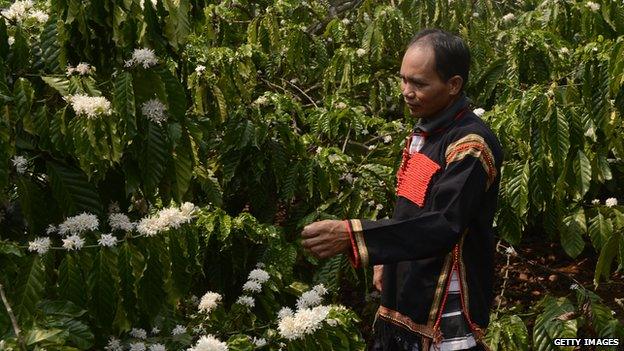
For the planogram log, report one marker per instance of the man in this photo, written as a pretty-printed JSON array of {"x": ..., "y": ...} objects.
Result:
[{"x": 437, "y": 250}]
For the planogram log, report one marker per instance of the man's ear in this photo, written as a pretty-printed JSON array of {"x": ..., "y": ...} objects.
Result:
[{"x": 455, "y": 84}]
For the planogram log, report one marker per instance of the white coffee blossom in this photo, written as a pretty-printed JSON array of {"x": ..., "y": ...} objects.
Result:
[
  {"x": 346, "y": 21},
  {"x": 78, "y": 224},
  {"x": 360, "y": 52},
  {"x": 188, "y": 209},
  {"x": 610, "y": 202},
  {"x": 155, "y": 331},
  {"x": 157, "y": 347},
  {"x": 365, "y": 131},
  {"x": 285, "y": 312},
  {"x": 113, "y": 344},
  {"x": 20, "y": 163},
  {"x": 73, "y": 242},
  {"x": 309, "y": 299},
  {"x": 320, "y": 289},
  {"x": 39, "y": 16},
  {"x": 259, "y": 342},
  {"x": 40, "y": 245},
  {"x": 11, "y": 40},
  {"x": 89, "y": 106},
  {"x": 372, "y": 147},
  {"x": 387, "y": 138},
  {"x": 478, "y": 111},
  {"x": 259, "y": 275},
  {"x": 200, "y": 69},
  {"x": 144, "y": 57},
  {"x": 574, "y": 286},
  {"x": 564, "y": 51},
  {"x": 349, "y": 178},
  {"x": 83, "y": 68},
  {"x": 306, "y": 321},
  {"x": 107, "y": 240},
  {"x": 332, "y": 322},
  {"x": 252, "y": 286},
  {"x": 261, "y": 101},
  {"x": 509, "y": 17},
  {"x": 119, "y": 221},
  {"x": 153, "y": 2},
  {"x": 209, "y": 343},
  {"x": 18, "y": 11},
  {"x": 594, "y": 7},
  {"x": 595, "y": 202},
  {"x": 51, "y": 229},
  {"x": 154, "y": 110},
  {"x": 341, "y": 105},
  {"x": 209, "y": 301},
  {"x": 379, "y": 207},
  {"x": 137, "y": 346},
  {"x": 246, "y": 301},
  {"x": 475, "y": 15},
  {"x": 179, "y": 329},
  {"x": 138, "y": 333},
  {"x": 165, "y": 219}
]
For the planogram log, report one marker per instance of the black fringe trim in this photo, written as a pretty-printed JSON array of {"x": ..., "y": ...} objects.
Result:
[{"x": 390, "y": 336}]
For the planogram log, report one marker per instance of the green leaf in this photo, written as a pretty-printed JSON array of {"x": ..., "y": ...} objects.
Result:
[
  {"x": 607, "y": 254},
  {"x": 52, "y": 48},
  {"x": 30, "y": 288},
  {"x": 583, "y": 172},
  {"x": 130, "y": 263},
  {"x": 518, "y": 189},
  {"x": 600, "y": 229},
  {"x": 177, "y": 26},
  {"x": 152, "y": 294},
  {"x": 574, "y": 226},
  {"x": 183, "y": 165},
  {"x": 176, "y": 97},
  {"x": 60, "y": 84},
  {"x": 154, "y": 157},
  {"x": 103, "y": 289},
  {"x": 551, "y": 324},
  {"x": 72, "y": 189},
  {"x": 559, "y": 135},
  {"x": 71, "y": 281},
  {"x": 23, "y": 97},
  {"x": 123, "y": 101}
]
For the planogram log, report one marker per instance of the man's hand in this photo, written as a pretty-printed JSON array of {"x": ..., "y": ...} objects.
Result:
[
  {"x": 378, "y": 276},
  {"x": 326, "y": 238}
]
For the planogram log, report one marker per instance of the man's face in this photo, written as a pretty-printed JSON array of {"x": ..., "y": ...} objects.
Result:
[{"x": 423, "y": 90}]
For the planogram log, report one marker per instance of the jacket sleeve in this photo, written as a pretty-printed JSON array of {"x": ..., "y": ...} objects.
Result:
[{"x": 455, "y": 197}]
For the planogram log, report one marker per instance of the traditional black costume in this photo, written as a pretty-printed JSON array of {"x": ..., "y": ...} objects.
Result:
[{"x": 447, "y": 188}]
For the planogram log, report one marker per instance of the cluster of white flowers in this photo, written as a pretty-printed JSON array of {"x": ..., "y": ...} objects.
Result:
[
  {"x": 209, "y": 301},
  {"x": 89, "y": 106},
  {"x": 475, "y": 15},
  {"x": 166, "y": 219},
  {"x": 564, "y": 51},
  {"x": 157, "y": 347},
  {"x": 137, "y": 346},
  {"x": 304, "y": 321},
  {"x": 40, "y": 245},
  {"x": 259, "y": 275},
  {"x": 51, "y": 229},
  {"x": 11, "y": 40},
  {"x": 261, "y": 101},
  {"x": 341, "y": 105},
  {"x": 138, "y": 333},
  {"x": 509, "y": 17},
  {"x": 73, "y": 242},
  {"x": 78, "y": 224},
  {"x": 246, "y": 301},
  {"x": 595, "y": 202},
  {"x": 312, "y": 298},
  {"x": 574, "y": 286},
  {"x": 478, "y": 111},
  {"x": 144, "y": 57},
  {"x": 20, "y": 163},
  {"x": 252, "y": 286},
  {"x": 346, "y": 21},
  {"x": 259, "y": 342},
  {"x": 179, "y": 329},
  {"x": 360, "y": 52},
  {"x": 372, "y": 147},
  {"x": 610, "y": 202},
  {"x": 594, "y": 7},
  {"x": 22, "y": 10},
  {"x": 153, "y": 2},
  {"x": 154, "y": 110},
  {"x": 82, "y": 69},
  {"x": 107, "y": 240},
  {"x": 119, "y": 221},
  {"x": 155, "y": 330},
  {"x": 209, "y": 343},
  {"x": 387, "y": 139},
  {"x": 113, "y": 344},
  {"x": 200, "y": 69}
]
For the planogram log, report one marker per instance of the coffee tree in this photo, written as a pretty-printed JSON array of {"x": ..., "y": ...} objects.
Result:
[{"x": 161, "y": 157}]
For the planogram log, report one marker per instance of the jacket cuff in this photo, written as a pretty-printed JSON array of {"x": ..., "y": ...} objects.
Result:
[{"x": 358, "y": 255}]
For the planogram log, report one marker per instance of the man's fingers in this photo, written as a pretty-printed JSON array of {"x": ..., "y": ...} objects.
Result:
[{"x": 309, "y": 232}]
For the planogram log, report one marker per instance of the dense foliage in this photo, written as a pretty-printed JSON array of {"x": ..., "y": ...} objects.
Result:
[{"x": 268, "y": 115}]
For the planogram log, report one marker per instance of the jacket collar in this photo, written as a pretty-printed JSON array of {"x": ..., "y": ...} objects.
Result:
[{"x": 443, "y": 119}]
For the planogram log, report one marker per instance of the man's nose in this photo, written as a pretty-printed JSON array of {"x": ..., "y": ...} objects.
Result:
[{"x": 409, "y": 94}]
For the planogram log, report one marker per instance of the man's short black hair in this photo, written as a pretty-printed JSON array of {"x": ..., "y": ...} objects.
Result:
[{"x": 452, "y": 56}]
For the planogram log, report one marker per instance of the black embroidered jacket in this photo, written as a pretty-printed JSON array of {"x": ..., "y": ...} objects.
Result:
[{"x": 447, "y": 193}]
